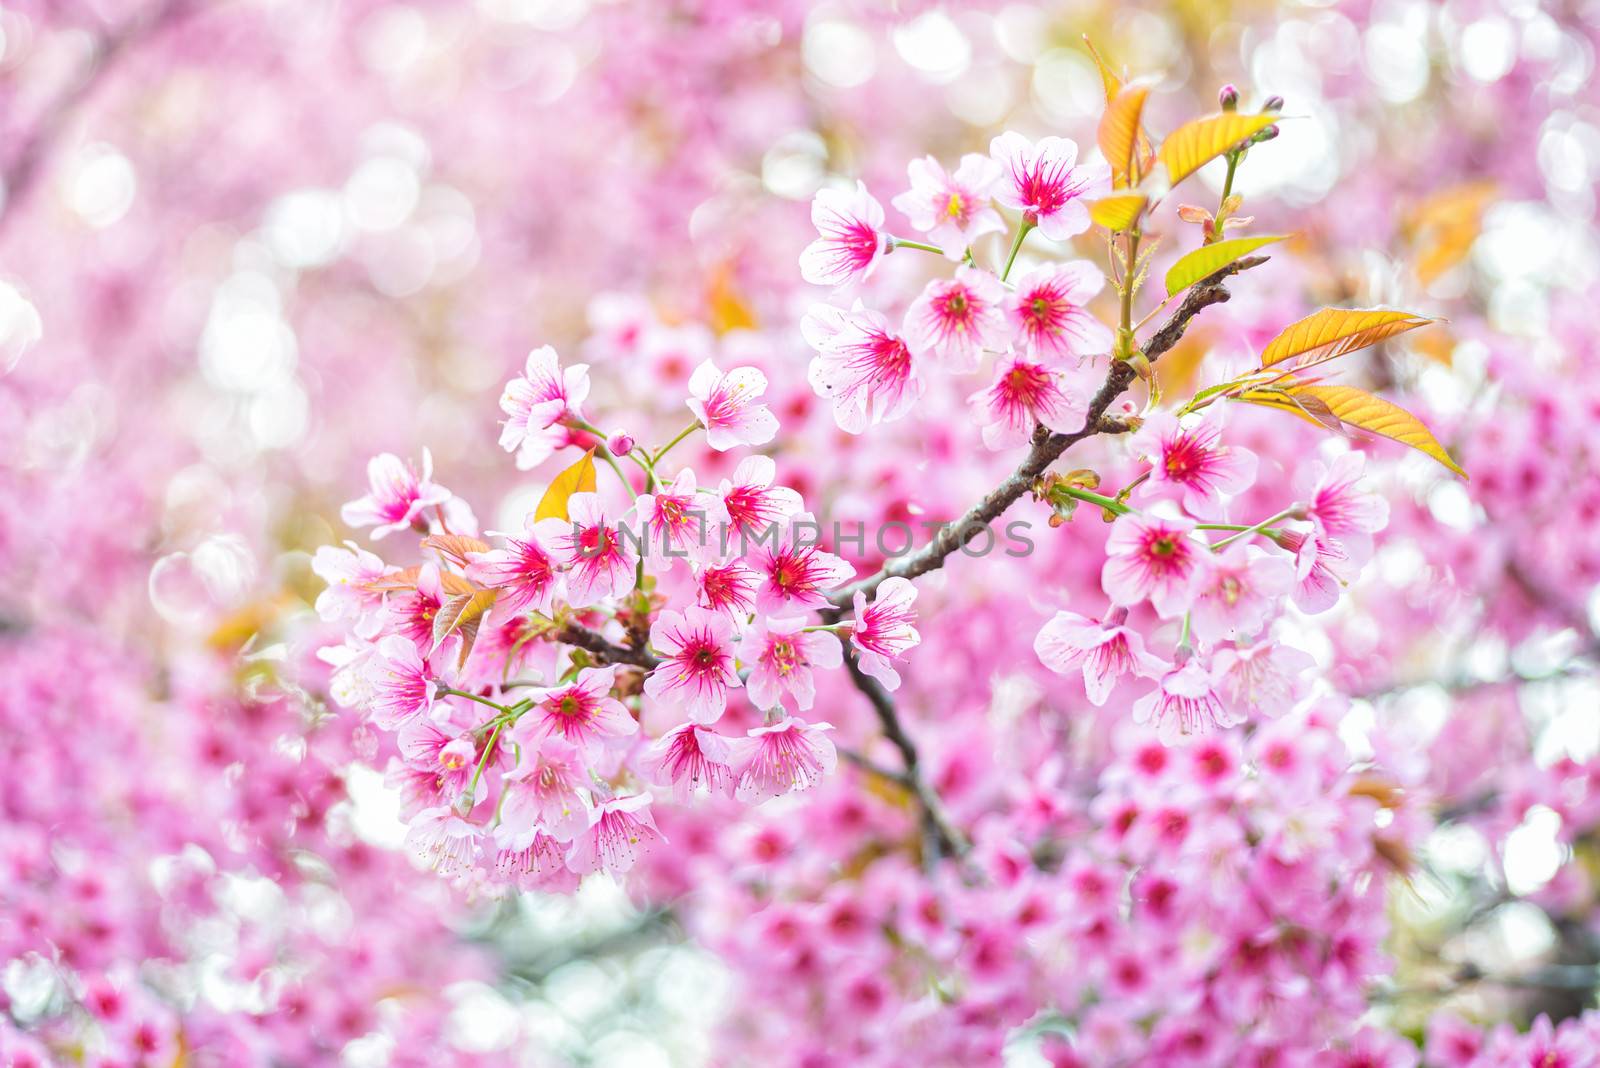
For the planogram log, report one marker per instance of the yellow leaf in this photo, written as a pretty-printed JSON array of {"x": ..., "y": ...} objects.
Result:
[
  {"x": 461, "y": 615},
  {"x": 1117, "y": 212},
  {"x": 1360, "y": 409},
  {"x": 579, "y": 478},
  {"x": 1194, "y": 144},
  {"x": 1310, "y": 409},
  {"x": 1332, "y": 332},
  {"x": 1111, "y": 83},
  {"x": 456, "y": 547},
  {"x": 1209, "y": 259},
  {"x": 1119, "y": 134}
]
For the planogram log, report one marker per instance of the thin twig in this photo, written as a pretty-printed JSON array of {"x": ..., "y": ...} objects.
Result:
[{"x": 605, "y": 650}]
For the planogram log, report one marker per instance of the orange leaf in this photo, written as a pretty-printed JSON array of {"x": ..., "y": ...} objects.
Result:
[
  {"x": 1111, "y": 83},
  {"x": 1194, "y": 144},
  {"x": 579, "y": 478},
  {"x": 1360, "y": 409},
  {"x": 1119, "y": 134},
  {"x": 455, "y": 547},
  {"x": 1330, "y": 333},
  {"x": 1118, "y": 212},
  {"x": 461, "y": 615}
]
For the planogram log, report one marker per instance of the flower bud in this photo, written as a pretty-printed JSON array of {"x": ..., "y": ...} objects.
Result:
[
  {"x": 1274, "y": 104},
  {"x": 1229, "y": 97},
  {"x": 620, "y": 443},
  {"x": 1266, "y": 135}
]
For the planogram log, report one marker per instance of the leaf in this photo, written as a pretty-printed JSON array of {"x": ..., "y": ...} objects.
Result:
[
  {"x": 1310, "y": 409},
  {"x": 1360, "y": 409},
  {"x": 461, "y": 615},
  {"x": 1118, "y": 212},
  {"x": 1332, "y": 332},
  {"x": 579, "y": 478},
  {"x": 455, "y": 547},
  {"x": 1194, "y": 144},
  {"x": 1111, "y": 83},
  {"x": 1119, "y": 134},
  {"x": 451, "y": 582},
  {"x": 1209, "y": 259}
]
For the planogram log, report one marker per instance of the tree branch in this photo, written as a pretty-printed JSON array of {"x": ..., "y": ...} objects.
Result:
[
  {"x": 603, "y": 649},
  {"x": 1047, "y": 447}
]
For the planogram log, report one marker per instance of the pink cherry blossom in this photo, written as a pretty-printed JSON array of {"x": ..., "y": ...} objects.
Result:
[
  {"x": 697, "y": 662},
  {"x": 1106, "y": 650},
  {"x": 691, "y": 758},
  {"x": 582, "y": 713},
  {"x": 535, "y": 403},
  {"x": 727, "y": 588},
  {"x": 397, "y": 496},
  {"x": 781, "y": 654},
  {"x": 403, "y": 685},
  {"x": 523, "y": 572},
  {"x": 599, "y": 560},
  {"x": 1190, "y": 464},
  {"x": 443, "y": 841},
  {"x": 1044, "y": 181},
  {"x": 752, "y": 501},
  {"x": 620, "y": 829},
  {"x": 1049, "y": 314},
  {"x": 349, "y": 572},
  {"x": 1185, "y": 703},
  {"x": 861, "y": 365},
  {"x": 1339, "y": 505},
  {"x": 850, "y": 225},
  {"x": 726, "y": 406},
  {"x": 1322, "y": 569},
  {"x": 533, "y": 860},
  {"x": 679, "y": 522},
  {"x": 954, "y": 210},
  {"x": 1025, "y": 393},
  {"x": 796, "y": 573},
  {"x": 954, "y": 320},
  {"x": 449, "y": 757},
  {"x": 1264, "y": 678},
  {"x": 1154, "y": 558},
  {"x": 885, "y": 630},
  {"x": 790, "y": 755},
  {"x": 1239, "y": 593},
  {"x": 544, "y": 790}
]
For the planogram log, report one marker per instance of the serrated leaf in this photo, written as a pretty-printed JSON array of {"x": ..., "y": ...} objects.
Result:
[
  {"x": 1310, "y": 409},
  {"x": 1119, "y": 134},
  {"x": 579, "y": 478},
  {"x": 1327, "y": 334},
  {"x": 1108, "y": 80},
  {"x": 461, "y": 615},
  {"x": 1118, "y": 212},
  {"x": 1209, "y": 259},
  {"x": 1360, "y": 409},
  {"x": 1194, "y": 144},
  {"x": 455, "y": 547}
]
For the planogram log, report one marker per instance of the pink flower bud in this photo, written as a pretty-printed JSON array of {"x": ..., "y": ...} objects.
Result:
[
  {"x": 620, "y": 443},
  {"x": 1229, "y": 97}
]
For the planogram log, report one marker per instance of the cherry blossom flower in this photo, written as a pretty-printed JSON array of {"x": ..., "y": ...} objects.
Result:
[
  {"x": 1190, "y": 464},
  {"x": 780, "y": 654},
  {"x": 885, "y": 630},
  {"x": 727, "y": 588},
  {"x": 726, "y": 406},
  {"x": 349, "y": 572},
  {"x": 796, "y": 573},
  {"x": 599, "y": 561},
  {"x": 1337, "y": 504},
  {"x": 1106, "y": 650},
  {"x": 532, "y": 859},
  {"x": 1263, "y": 678},
  {"x": 582, "y": 713},
  {"x": 1185, "y": 703},
  {"x": 790, "y": 755},
  {"x": 850, "y": 225},
  {"x": 449, "y": 757},
  {"x": 619, "y": 830},
  {"x": 397, "y": 496},
  {"x": 544, "y": 790},
  {"x": 690, "y": 758},
  {"x": 403, "y": 685},
  {"x": 753, "y": 502},
  {"x": 443, "y": 841},
  {"x": 1154, "y": 558},
  {"x": 1049, "y": 313},
  {"x": 955, "y": 319},
  {"x": 1025, "y": 393},
  {"x": 1321, "y": 566},
  {"x": 697, "y": 662},
  {"x": 678, "y": 522},
  {"x": 1240, "y": 592},
  {"x": 523, "y": 572},
  {"x": 410, "y": 611},
  {"x": 1044, "y": 181},
  {"x": 537, "y": 401},
  {"x": 954, "y": 210},
  {"x": 862, "y": 365}
]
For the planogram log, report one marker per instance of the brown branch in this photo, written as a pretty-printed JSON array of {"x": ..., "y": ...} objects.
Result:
[
  {"x": 605, "y": 650},
  {"x": 1047, "y": 447}
]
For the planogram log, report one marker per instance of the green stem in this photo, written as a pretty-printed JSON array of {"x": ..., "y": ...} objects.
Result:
[
  {"x": 502, "y": 709},
  {"x": 605, "y": 453},
  {"x": 488, "y": 747},
  {"x": 1125, "y": 322},
  {"x": 897, "y": 242},
  {"x": 668, "y": 447},
  {"x": 1227, "y": 183},
  {"x": 1258, "y": 528},
  {"x": 1110, "y": 504},
  {"x": 1183, "y": 635},
  {"x": 1016, "y": 246}
]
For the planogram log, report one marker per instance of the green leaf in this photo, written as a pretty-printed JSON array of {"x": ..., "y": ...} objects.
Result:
[{"x": 1209, "y": 259}]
